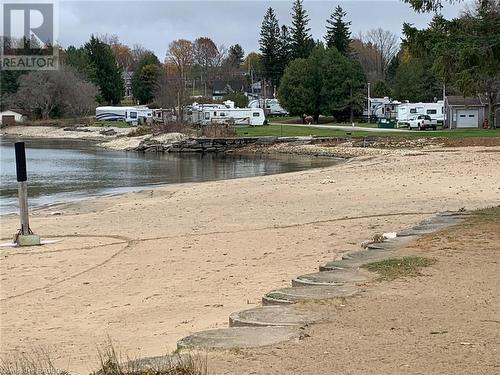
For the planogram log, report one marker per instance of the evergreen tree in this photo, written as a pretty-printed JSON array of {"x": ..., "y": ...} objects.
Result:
[
  {"x": 145, "y": 78},
  {"x": 302, "y": 42},
  {"x": 325, "y": 83},
  {"x": 337, "y": 31},
  {"x": 284, "y": 49},
  {"x": 105, "y": 72},
  {"x": 269, "y": 39},
  {"x": 236, "y": 55}
]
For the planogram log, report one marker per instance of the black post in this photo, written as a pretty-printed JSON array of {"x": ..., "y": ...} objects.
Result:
[{"x": 22, "y": 187}]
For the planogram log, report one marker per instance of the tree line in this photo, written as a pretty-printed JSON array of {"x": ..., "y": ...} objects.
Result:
[{"x": 312, "y": 77}]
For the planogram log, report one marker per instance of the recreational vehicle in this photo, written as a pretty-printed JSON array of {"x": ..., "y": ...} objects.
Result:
[
  {"x": 408, "y": 111},
  {"x": 272, "y": 106},
  {"x": 127, "y": 114},
  {"x": 226, "y": 113}
]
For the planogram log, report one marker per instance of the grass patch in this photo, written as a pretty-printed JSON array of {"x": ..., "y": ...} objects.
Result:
[
  {"x": 37, "y": 362},
  {"x": 278, "y": 130},
  {"x": 395, "y": 268}
]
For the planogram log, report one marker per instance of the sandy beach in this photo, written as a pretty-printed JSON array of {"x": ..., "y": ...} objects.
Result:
[{"x": 148, "y": 268}]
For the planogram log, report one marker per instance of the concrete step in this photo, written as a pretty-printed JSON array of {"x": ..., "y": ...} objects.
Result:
[
  {"x": 239, "y": 337},
  {"x": 274, "y": 316},
  {"x": 357, "y": 259},
  {"x": 287, "y": 296},
  {"x": 332, "y": 278}
]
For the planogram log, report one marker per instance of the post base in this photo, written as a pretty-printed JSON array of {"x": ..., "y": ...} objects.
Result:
[{"x": 28, "y": 240}]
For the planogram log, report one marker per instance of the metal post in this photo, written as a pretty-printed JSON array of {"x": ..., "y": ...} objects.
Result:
[{"x": 25, "y": 237}]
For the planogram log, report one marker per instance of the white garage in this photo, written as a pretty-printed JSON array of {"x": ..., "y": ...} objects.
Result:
[
  {"x": 464, "y": 112},
  {"x": 467, "y": 118}
]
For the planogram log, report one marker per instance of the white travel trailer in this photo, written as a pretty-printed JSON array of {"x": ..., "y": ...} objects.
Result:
[
  {"x": 109, "y": 113},
  {"x": 272, "y": 106},
  {"x": 145, "y": 114},
  {"x": 226, "y": 113},
  {"x": 407, "y": 111}
]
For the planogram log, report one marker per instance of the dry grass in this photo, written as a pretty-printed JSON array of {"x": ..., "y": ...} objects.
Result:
[
  {"x": 37, "y": 362},
  {"x": 111, "y": 363}
]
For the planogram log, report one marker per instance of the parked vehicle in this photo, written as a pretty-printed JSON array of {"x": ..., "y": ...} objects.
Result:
[
  {"x": 421, "y": 122},
  {"x": 226, "y": 113},
  {"x": 273, "y": 106},
  {"x": 407, "y": 111},
  {"x": 109, "y": 113}
]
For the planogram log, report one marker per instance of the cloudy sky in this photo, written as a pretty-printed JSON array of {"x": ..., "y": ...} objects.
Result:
[{"x": 154, "y": 24}]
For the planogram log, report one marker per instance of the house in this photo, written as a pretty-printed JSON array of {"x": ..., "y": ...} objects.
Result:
[
  {"x": 222, "y": 88},
  {"x": 10, "y": 117},
  {"x": 464, "y": 112}
]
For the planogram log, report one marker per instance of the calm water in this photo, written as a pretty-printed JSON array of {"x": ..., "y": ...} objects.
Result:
[{"x": 61, "y": 171}]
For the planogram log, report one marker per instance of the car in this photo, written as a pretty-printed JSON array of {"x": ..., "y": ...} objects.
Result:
[{"x": 421, "y": 122}]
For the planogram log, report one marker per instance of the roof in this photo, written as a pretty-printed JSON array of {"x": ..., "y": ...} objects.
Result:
[
  {"x": 458, "y": 100},
  {"x": 9, "y": 112}
]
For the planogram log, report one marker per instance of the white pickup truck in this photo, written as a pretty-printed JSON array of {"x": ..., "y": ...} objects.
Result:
[{"x": 421, "y": 122}]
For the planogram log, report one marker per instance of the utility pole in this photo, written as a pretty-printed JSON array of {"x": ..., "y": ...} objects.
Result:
[{"x": 369, "y": 105}]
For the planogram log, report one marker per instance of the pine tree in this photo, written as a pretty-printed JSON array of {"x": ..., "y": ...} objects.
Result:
[
  {"x": 105, "y": 72},
  {"x": 337, "y": 31},
  {"x": 284, "y": 49},
  {"x": 269, "y": 39},
  {"x": 302, "y": 42}
]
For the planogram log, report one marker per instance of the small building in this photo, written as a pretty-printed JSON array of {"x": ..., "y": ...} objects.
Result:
[
  {"x": 10, "y": 117},
  {"x": 465, "y": 112}
]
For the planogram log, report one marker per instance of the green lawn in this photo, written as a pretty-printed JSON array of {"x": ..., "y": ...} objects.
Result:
[{"x": 296, "y": 131}]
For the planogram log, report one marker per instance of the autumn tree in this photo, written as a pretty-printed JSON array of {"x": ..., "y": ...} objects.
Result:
[{"x": 180, "y": 57}]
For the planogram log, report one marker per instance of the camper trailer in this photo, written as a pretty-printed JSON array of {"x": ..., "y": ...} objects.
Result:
[
  {"x": 272, "y": 106},
  {"x": 132, "y": 115},
  {"x": 127, "y": 114},
  {"x": 226, "y": 113},
  {"x": 408, "y": 111}
]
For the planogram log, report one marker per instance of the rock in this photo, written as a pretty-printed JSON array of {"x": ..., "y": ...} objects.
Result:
[{"x": 108, "y": 132}]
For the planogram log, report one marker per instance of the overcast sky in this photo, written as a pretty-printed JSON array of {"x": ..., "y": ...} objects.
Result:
[{"x": 154, "y": 24}]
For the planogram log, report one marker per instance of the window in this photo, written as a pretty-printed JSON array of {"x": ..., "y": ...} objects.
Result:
[
  {"x": 256, "y": 114},
  {"x": 463, "y": 116},
  {"x": 207, "y": 115},
  {"x": 133, "y": 114},
  {"x": 413, "y": 110},
  {"x": 432, "y": 111},
  {"x": 472, "y": 116},
  {"x": 222, "y": 114},
  {"x": 215, "y": 113}
]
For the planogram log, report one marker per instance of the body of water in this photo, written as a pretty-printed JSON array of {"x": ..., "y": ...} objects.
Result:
[{"x": 62, "y": 170}]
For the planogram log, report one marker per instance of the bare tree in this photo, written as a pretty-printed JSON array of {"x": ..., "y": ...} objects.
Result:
[
  {"x": 368, "y": 57},
  {"x": 45, "y": 92},
  {"x": 180, "y": 58},
  {"x": 386, "y": 44}
]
